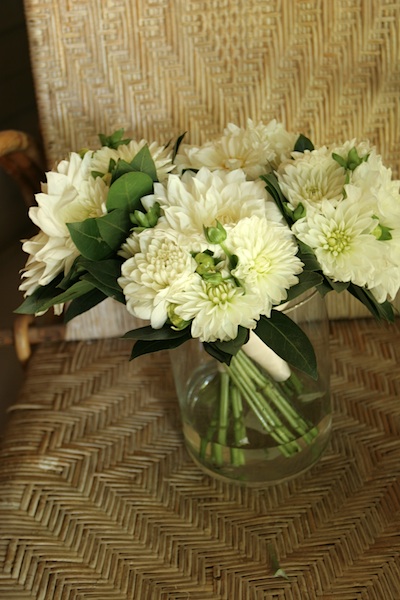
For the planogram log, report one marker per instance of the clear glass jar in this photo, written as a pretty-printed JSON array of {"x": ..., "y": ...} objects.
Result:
[{"x": 242, "y": 425}]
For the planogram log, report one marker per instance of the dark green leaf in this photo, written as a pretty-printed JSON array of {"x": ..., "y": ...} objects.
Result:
[
  {"x": 149, "y": 334},
  {"x": 79, "y": 288},
  {"x": 303, "y": 143},
  {"x": 177, "y": 144},
  {"x": 147, "y": 347},
  {"x": 307, "y": 256},
  {"x": 83, "y": 304},
  {"x": 120, "y": 169},
  {"x": 114, "y": 140},
  {"x": 381, "y": 311},
  {"x": 87, "y": 239},
  {"x": 233, "y": 346},
  {"x": 307, "y": 280},
  {"x": 74, "y": 274},
  {"x": 127, "y": 191},
  {"x": 41, "y": 296},
  {"x": 338, "y": 286},
  {"x": 143, "y": 161},
  {"x": 273, "y": 188},
  {"x": 215, "y": 352},
  {"x": 114, "y": 227},
  {"x": 289, "y": 341},
  {"x": 112, "y": 291}
]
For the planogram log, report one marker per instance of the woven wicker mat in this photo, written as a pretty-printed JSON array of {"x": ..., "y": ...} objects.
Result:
[
  {"x": 100, "y": 501},
  {"x": 328, "y": 69}
]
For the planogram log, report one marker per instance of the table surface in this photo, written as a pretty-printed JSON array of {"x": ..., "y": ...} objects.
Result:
[{"x": 99, "y": 499}]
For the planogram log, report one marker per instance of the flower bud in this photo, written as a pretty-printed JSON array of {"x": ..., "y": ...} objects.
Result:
[
  {"x": 176, "y": 321},
  {"x": 215, "y": 235}
]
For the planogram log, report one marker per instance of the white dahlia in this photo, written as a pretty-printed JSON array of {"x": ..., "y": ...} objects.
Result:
[
  {"x": 256, "y": 149},
  {"x": 267, "y": 262},
  {"x": 192, "y": 202},
  {"x": 311, "y": 178},
  {"x": 342, "y": 239},
  {"x": 216, "y": 311},
  {"x": 154, "y": 274},
  {"x": 70, "y": 195},
  {"x": 161, "y": 155}
]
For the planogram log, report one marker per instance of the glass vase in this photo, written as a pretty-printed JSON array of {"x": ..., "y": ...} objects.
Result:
[{"x": 258, "y": 421}]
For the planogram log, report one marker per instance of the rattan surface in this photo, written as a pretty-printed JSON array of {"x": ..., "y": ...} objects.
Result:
[
  {"x": 329, "y": 69},
  {"x": 99, "y": 499}
]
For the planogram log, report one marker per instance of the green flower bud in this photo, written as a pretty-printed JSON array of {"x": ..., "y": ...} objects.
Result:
[
  {"x": 205, "y": 263},
  {"x": 215, "y": 235},
  {"x": 299, "y": 212},
  {"x": 213, "y": 278},
  {"x": 176, "y": 321}
]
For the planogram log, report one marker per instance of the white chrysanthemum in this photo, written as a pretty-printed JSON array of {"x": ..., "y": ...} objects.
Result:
[
  {"x": 216, "y": 311},
  {"x": 196, "y": 201},
  {"x": 342, "y": 239},
  {"x": 256, "y": 149},
  {"x": 68, "y": 197},
  {"x": 130, "y": 247},
  {"x": 153, "y": 275},
  {"x": 162, "y": 157},
  {"x": 311, "y": 178},
  {"x": 267, "y": 262}
]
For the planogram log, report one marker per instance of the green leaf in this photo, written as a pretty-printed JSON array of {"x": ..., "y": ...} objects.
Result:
[
  {"x": 307, "y": 256},
  {"x": 215, "y": 352},
  {"x": 143, "y": 162},
  {"x": 177, "y": 144},
  {"x": 83, "y": 304},
  {"x": 303, "y": 143},
  {"x": 289, "y": 341},
  {"x": 114, "y": 227},
  {"x": 307, "y": 280},
  {"x": 79, "y": 288},
  {"x": 338, "y": 286},
  {"x": 126, "y": 192},
  {"x": 273, "y": 187},
  {"x": 122, "y": 167},
  {"x": 233, "y": 346},
  {"x": 114, "y": 140},
  {"x": 86, "y": 237},
  {"x": 381, "y": 311},
  {"x": 73, "y": 275},
  {"x": 41, "y": 296},
  {"x": 147, "y": 347},
  {"x": 149, "y": 334}
]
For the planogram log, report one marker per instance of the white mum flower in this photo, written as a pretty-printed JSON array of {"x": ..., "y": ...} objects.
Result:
[
  {"x": 196, "y": 201},
  {"x": 256, "y": 149},
  {"x": 267, "y": 262},
  {"x": 161, "y": 155},
  {"x": 68, "y": 197},
  {"x": 217, "y": 310},
  {"x": 149, "y": 279},
  {"x": 311, "y": 178},
  {"x": 342, "y": 239}
]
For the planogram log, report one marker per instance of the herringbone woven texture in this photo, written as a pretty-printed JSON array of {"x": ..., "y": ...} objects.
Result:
[
  {"x": 99, "y": 500},
  {"x": 328, "y": 69}
]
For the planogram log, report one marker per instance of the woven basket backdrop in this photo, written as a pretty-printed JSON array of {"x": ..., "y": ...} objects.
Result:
[{"x": 330, "y": 70}]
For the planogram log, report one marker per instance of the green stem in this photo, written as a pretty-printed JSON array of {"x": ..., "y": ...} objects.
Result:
[{"x": 295, "y": 420}]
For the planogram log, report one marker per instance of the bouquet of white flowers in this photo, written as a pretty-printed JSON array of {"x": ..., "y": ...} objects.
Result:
[{"x": 209, "y": 242}]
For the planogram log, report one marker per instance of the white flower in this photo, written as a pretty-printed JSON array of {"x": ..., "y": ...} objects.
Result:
[
  {"x": 311, "y": 178},
  {"x": 267, "y": 262},
  {"x": 153, "y": 275},
  {"x": 70, "y": 195},
  {"x": 161, "y": 155},
  {"x": 342, "y": 239},
  {"x": 130, "y": 247},
  {"x": 256, "y": 149},
  {"x": 192, "y": 202},
  {"x": 216, "y": 310}
]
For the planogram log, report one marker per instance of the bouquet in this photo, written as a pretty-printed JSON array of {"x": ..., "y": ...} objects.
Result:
[{"x": 210, "y": 242}]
